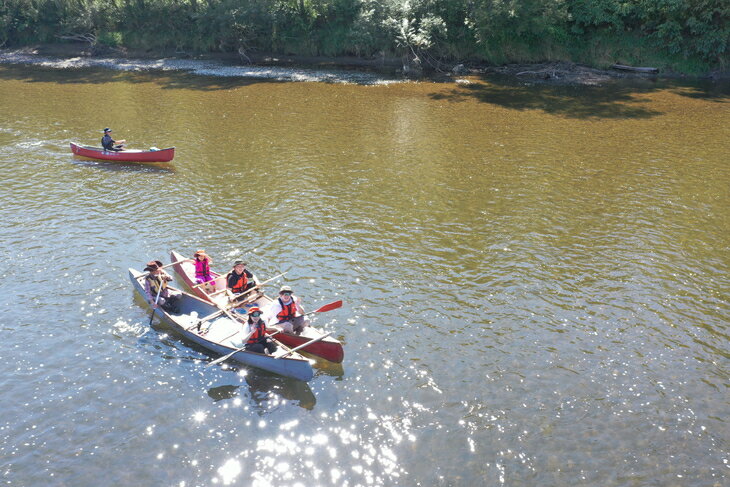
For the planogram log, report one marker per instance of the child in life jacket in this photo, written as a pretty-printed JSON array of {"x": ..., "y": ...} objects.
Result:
[
  {"x": 258, "y": 342},
  {"x": 202, "y": 270}
]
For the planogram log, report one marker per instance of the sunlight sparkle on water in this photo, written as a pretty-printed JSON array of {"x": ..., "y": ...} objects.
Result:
[
  {"x": 199, "y": 416},
  {"x": 319, "y": 439},
  {"x": 289, "y": 425},
  {"x": 229, "y": 471},
  {"x": 335, "y": 474}
]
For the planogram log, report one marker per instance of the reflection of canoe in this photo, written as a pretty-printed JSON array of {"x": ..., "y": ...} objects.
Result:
[
  {"x": 152, "y": 155},
  {"x": 268, "y": 388},
  {"x": 219, "y": 334},
  {"x": 265, "y": 388},
  {"x": 328, "y": 348}
]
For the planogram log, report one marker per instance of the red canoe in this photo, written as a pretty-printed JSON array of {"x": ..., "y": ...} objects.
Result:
[
  {"x": 328, "y": 348},
  {"x": 152, "y": 155}
]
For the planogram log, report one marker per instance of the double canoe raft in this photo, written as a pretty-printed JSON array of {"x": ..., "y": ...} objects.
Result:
[
  {"x": 151, "y": 155},
  {"x": 222, "y": 335},
  {"x": 327, "y": 348}
]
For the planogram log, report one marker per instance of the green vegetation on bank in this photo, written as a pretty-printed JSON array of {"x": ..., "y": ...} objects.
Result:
[{"x": 681, "y": 35}]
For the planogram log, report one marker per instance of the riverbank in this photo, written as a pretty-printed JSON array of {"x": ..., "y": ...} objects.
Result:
[{"x": 380, "y": 70}]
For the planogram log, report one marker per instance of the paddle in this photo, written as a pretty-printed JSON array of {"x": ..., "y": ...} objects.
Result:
[
  {"x": 226, "y": 357},
  {"x": 243, "y": 293},
  {"x": 238, "y": 296},
  {"x": 303, "y": 345},
  {"x": 326, "y": 307},
  {"x": 152, "y": 316},
  {"x": 215, "y": 293},
  {"x": 223, "y": 359},
  {"x": 212, "y": 281},
  {"x": 211, "y": 316},
  {"x": 167, "y": 265}
]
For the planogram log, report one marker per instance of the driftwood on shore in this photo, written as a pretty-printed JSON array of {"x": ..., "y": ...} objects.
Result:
[
  {"x": 623, "y": 67},
  {"x": 543, "y": 74}
]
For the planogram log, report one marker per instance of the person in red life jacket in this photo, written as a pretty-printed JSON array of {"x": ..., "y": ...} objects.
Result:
[
  {"x": 157, "y": 278},
  {"x": 109, "y": 144},
  {"x": 240, "y": 279},
  {"x": 258, "y": 342},
  {"x": 202, "y": 270},
  {"x": 286, "y": 312}
]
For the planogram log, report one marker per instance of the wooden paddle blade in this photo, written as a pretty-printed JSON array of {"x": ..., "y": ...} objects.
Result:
[{"x": 329, "y": 307}]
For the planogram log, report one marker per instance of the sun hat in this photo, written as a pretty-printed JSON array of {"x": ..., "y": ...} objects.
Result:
[
  {"x": 285, "y": 289},
  {"x": 253, "y": 309},
  {"x": 239, "y": 262},
  {"x": 107, "y": 130},
  {"x": 199, "y": 252}
]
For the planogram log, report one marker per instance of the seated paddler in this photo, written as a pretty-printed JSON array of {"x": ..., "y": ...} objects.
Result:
[
  {"x": 287, "y": 312},
  {"x": 155, "y": 284},
  {"x": 110, "y": 144},
  {"x": 240, "y": 279},
  {"x": 258, "y": 341}
]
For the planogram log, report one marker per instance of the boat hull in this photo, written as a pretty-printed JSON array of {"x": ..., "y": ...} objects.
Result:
[
  {"x": 219, "y": 334},
  {"x": 329, "y": 348},
  {"x": 160, "y": 155},
  {"x": 185, "y": 269}
]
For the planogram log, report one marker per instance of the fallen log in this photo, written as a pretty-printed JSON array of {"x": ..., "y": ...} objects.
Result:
[{"x": 635, "y": 69}]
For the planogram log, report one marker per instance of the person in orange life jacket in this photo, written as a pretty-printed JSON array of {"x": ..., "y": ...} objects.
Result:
[
  {"x": 157, "y": 277},
  {"x": 286, "y": 312},
  {"x": 240, "y": 279},
  {"x": 258, "y": 342},
  {"x": 202, "y": 269},
  {"x": 109, "y": 144}
]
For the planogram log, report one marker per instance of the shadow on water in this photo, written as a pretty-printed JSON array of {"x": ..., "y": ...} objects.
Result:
[
  {"x": 265, "y": 388},
  {"x": 262, "y": 385},
  {"x": 158, "y": 167},
  {"x": 612, "y": 101},
  {"x": 706, "y": 90}
]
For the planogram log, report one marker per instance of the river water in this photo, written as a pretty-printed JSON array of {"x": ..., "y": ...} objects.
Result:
[{"x": 535, "y": 281}]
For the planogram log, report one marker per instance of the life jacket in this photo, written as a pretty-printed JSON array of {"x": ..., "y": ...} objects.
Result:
[
  {"x": 240, "y": 284},
  {"x": 202, "y": 269},
  {"x": 288, "y": 311},
  {"x": 155, "y": 283},
  {"x": 107, "y": 142},
  {"x": 258, "y": 333}
]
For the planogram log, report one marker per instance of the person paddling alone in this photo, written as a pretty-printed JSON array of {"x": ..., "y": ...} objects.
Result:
[{"x": 110, "y": 144}]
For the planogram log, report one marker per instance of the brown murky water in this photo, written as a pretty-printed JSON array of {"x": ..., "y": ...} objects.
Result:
[{"x": 535, "y": 281}]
